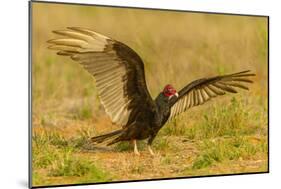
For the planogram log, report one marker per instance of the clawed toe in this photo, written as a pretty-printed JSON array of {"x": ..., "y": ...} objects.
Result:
[{"x": 137, "y": 153}]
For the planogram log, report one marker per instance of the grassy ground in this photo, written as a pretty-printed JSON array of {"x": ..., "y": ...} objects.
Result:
[{"x": 226, "y": 135}]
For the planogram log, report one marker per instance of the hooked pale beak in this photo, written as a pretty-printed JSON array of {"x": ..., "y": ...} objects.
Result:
[{"x": 176, "y": 94}]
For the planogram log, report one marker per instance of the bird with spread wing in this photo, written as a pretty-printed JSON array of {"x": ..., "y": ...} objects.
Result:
[{"x": 120, "y": 80}]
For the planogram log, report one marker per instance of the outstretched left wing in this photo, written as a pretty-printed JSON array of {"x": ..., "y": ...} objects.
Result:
[
  {"x": 202, "y": 90},
  {"x": 117, "y": 69}
]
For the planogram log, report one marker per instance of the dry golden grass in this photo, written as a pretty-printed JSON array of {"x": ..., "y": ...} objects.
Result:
[{"x": 177, "y": 48}]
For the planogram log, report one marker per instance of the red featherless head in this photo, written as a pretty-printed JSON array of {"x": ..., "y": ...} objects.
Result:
[{"x": 169, "y": 91}]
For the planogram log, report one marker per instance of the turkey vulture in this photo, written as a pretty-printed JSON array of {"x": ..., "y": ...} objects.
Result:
[{"x": 120, "y": 81}]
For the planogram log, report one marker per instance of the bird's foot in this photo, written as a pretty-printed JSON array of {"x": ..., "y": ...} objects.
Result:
[
  {"x": 137, "y": 152},
  {"x": 150, "y": 150},
  {"x": 136, "y": 148}
]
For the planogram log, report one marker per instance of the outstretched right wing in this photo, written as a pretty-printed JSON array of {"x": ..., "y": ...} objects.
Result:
[
  {"x": 202, "y": 90},
  {"x": 117, "y": 69}
]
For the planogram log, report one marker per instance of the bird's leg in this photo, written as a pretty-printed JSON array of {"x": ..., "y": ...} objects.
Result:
[
  {"x": 149, "y": 142},
  {"x": 135, "y": 147},
  {"x": 150, "y": 150}
]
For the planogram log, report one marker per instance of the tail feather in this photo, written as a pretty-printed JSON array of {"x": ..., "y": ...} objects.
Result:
[{"x": 106, "y": 137}]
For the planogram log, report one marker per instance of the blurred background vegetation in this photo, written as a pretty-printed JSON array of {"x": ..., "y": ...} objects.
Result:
[{"x": 176, "y": 47}]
